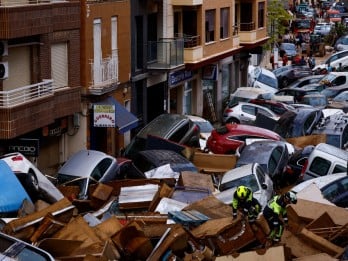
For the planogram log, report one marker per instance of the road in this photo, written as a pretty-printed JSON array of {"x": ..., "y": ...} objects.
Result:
[{"x": 266, "y": 64}]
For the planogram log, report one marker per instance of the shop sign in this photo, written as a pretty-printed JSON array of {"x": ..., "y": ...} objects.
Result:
[
  {"x": 104, "y": 115},
  {"x": 28, "y": 147},
  {"x": 179, "y": 76},
  {"x": 57, "y": 128}
]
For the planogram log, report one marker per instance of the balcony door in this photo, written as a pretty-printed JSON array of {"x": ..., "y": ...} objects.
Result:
[{"x": 59, "y": 64}]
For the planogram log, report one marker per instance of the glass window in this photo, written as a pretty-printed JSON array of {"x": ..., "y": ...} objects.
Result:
[
  {"x": 320, "y": 166},
  {"x": 225, "y": 17},
  {"x": 249, "y": 109},
  {"x": 260, "y": 176},
  {"x": 101, "y": 168},
  {"x": 180, "y": 133},
  {"x": 339, "y": 169},
  {"x": 209, "y": 26},
  {"x": 261, "y": 14},
  {"x": 264, "y": 112}
]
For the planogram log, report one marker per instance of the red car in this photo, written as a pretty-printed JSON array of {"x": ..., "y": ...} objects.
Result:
[{"x": 226, "y": 139}]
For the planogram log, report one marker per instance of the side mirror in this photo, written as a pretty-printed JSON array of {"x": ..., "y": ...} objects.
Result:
[{"x": 263, "y": 186}]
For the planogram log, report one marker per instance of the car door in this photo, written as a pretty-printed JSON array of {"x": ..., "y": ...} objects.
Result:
[
  {"x": 262, "y": 178},
  {"x": 248, "y": 114}
]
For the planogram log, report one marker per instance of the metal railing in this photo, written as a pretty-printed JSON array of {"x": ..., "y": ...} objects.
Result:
[
  {"x": 9, "y": 3},
  {"x": 166, "y": 53},
  {"x": 104, "y": 72},
  {"x": 247, "y": 26},
  {"x": 27, "y": 93},
  {"x": 190, "y": 41}
]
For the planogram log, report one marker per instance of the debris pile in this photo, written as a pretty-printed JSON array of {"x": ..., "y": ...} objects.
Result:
[{"x": 192, "y": 226}]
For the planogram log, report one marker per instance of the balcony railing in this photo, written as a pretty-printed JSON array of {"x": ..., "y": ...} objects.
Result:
[
  {"x": 27, "y": 93},
  {"x": 9, "y": 3},
  {"x": 247, "y": 26},
  {"x": 190, "y": 41},
  {"x": 166, "y": 53},
  {"x": 105, "y": 72}
]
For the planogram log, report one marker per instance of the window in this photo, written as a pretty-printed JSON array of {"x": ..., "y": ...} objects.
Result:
[
  {"x": 249, "y": 109},
  {"x": 320, "y": 166},
  {"x": 224, "y": 20},
  {"x": 209, "y": 26},
  {"x": 261, "y": 14}
]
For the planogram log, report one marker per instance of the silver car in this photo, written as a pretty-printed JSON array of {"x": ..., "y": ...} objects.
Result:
[
  {"x": 86, "y": 167},
  {"x": 322, "y": 28},
  {"x": 251, "y": 175}
]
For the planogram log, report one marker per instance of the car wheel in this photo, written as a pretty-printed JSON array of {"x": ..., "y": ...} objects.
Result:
[
  {"x": 233, "y": 121},
  {"x": 285, "y": 82},
  {"x": 32, "y": 185}
]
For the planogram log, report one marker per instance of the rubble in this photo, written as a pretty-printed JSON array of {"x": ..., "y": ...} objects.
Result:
[{"x": 102, "y": 228}]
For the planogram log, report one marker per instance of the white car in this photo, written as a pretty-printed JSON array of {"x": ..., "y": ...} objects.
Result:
[
  {"x": 34, "y": 181},
  {"x": 251, "y": 175},
  {"x": 262, "y": 78},
  {"x": 205, "y": 129},
  {"x": 334, "y": 60},
  {"x": 245, "y": 113}
]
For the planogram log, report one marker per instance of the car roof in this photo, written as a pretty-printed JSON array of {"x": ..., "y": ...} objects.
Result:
[
  {"x": 319, "y": 181},
  {"x": 84, "y": 161},
  {"x": 332, "y": 150},
  {"x": 244, "y": 128},
  {"x": 162, "y": 125},
  {"x": 238, "y": 172}
]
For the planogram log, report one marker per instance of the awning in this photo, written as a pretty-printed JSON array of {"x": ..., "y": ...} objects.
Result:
[{"x": 110, "y": 113}]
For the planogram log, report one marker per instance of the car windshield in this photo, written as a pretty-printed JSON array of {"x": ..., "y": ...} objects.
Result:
[
  {"x": 343, "y": 96},
  {"x": 265, "y": 79},
  {"x": 248, "y": 180},
  {"x": 328, "y": 92},
  {"x": 330, "y": 192},
  {"x": 205, "y": 126},
  {"x": 302, "y": 24},
  {"x": 72, "y": 181}
]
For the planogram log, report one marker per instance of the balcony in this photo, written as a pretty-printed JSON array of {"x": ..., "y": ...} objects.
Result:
[
  {"x": 104, "y": 75},
  {"x": 248, "y": 33},
  {"x": 187, "y": 2},
  {"x": 168, "y": 53},
  {"x": 28, "y": 108},
  {"x": 21, "y": 18}
]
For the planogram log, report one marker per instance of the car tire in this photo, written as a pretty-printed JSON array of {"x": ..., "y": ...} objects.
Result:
[
  {"x": 32, "y": 186},
  {"x": 232, "y": 121}
]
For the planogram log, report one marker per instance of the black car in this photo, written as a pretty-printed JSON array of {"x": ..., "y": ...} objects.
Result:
[
  {"x": 147, "y": 160},
  {"x": 297, "y": 93},
  {"x": 173, "y": 127},
  {"x": 306, "y": 80},
  {"x": 272, "y": 155},
  {"x": 296, "y": 163},
  {"x": 290, "y": 73}
]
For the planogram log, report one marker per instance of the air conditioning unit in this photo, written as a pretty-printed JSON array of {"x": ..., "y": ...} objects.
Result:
[
  {"x": 3, "y": 70},
  {"x": 3, "y": 48}
]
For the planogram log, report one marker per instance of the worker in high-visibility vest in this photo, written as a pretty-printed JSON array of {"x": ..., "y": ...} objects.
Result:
[
  {"x": 244, "y": 200},
  {"x": 276, "y": 215}
]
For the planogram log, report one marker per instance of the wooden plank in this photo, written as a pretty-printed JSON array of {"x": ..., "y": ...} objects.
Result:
[
  {"x": 213, "y": 163},
  {"x": 303, "y": 141},
  {"x": 211, "y": 207},
  {"x": 320, "y": 243},
  {"x": 192, "y": 179}
]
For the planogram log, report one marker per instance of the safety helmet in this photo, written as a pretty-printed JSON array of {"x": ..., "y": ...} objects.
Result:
[
  {"x": 242, "y": 192},
  {"x": 291, "y": 197}
]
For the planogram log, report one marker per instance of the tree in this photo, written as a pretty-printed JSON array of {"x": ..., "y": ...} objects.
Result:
[{"x": 278, "y": 20}]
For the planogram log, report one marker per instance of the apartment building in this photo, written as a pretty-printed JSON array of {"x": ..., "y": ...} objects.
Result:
[
  {"x": 188, "y": 55},
  {"x": 39, "y": 78},
  {"x": 106, "y": 119}
]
